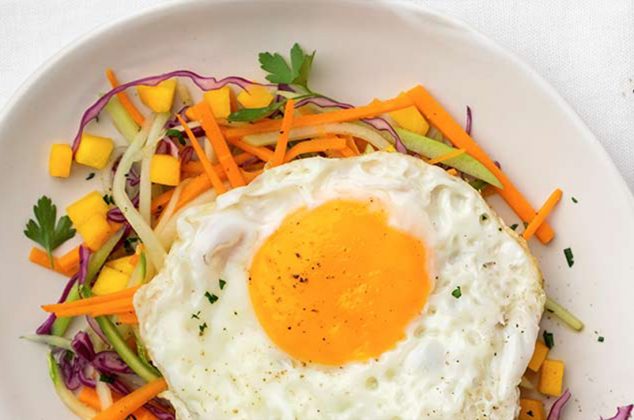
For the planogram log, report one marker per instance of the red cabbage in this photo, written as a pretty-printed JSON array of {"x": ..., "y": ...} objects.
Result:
[
  {"x": 377, "y": 123},
  {"x": 167, "y": 147},
  {"x": 469, "y": 121},
  {"x": 96, "y": 328},
  {"x": 108, "y": 361},
  {"x": 558, "y": 406},
  {"x": 622, "y": 413},
  {"x": 82, "y": 345},
  {"x": 84, "y": 258},
  {"x": 47, "y": 325},
  {"x": 186, "y": 154},
  {"x": 204, "y": 83}
]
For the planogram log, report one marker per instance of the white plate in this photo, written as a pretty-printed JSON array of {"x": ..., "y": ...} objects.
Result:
[{"x": 363, "y": 51}]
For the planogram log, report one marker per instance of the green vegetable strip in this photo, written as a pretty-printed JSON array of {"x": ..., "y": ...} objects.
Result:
[
  {"x": 122, "y": 120},
  {"x": 61, "y": 324},
  {"x": 50, "y": 340},
  {"x": 563, "y": 314}
]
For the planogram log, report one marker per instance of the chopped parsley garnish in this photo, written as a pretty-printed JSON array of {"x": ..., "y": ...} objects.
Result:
[
  {"x": 108, "y": 199},
  {"x": 570, "y": 259},
  {"x": 255, "y": 114},
  {"x": 514, "y": 226},
  {"x": 128, "y": 243},
  {"x": 483, "y": 217},
  {"x": 46, "y": 229},
  {"x": 106, "y": 378},
  {"x": 90, "y": 176},
  {"x": 601, "y": 339},
  {"x": 175, "y": 133},
  {"x": 211, "y": 297},
  {"x": 574, "y": 200},
  {"x": 196, "y": 315},
  {"x": 549, "y": 339},
  {"x": 201, "y": 328},
  {"x": 457, "y": 292},
  {"x": 221, "y": 283}
]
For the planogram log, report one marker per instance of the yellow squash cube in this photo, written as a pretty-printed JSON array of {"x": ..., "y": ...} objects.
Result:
[
  {"x": 220, "y": 101},
  {"x": 60, "y": 160},
  {"x": 539, "y": 355},
  {"x": 94, "y": 151},
  {"x": 158, "y": 98},
  {"x": 95, "y": 231},
  {"x": 531, "y": 410},
  {"x": 255, "y": 97},
  {"x": 110, "y": 280},
  {"x": 87, "y": 206},
  {"x": 124, "y": 264},
  {"x": 411, "y": 119},
  {"x": 552, "y": 378},
  {"x": 165, "y": 170}
]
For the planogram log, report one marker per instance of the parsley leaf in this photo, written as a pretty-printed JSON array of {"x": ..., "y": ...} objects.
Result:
[
  {"x": 46, "y": 230},
  {"x": 255, "y": 114},
  {"x": 457, "y": 292},
  {"x": 211, "y": 297},
  {"x": 175, "y": 133},
  {"x": 279, "y": 70},
  {"x": 221, "y": 283}
]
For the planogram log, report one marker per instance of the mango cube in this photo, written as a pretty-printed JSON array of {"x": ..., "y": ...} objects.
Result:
[
  {"x": 539, "y": 355},
  {"x": 158, "y": 98},
  {"x": 255, "y": 97},
  {"x": 87, "y": 206},
  {"x": 110, "y": 280},
  {"x": 60, "y": 160},
  {"x": 94, "y": 151},
  {"x": 165, "y": 170},
  {"x": 531, "y": 410},
  {"x": 220, "y": 101},
  {"x": 552, "y": 378},
  {"x": 124, "y": 264},
  {"x": 411, "y": 119},
  {"x": 95, "y": 231}
]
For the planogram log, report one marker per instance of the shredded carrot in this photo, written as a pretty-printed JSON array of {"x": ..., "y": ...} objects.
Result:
[
  {"x": 282, "y": 140},
  {"x": 261, "y": 153},
  {"x": 107, "y": 308},
  {"x": 440, "y": 118},
  {"x": 197, "y": 168},
  {"x": 128, "y": 318},
  {"x": 542, "y": 214},
  {"x": 351, "y": 114},
  {"x": 125, "y": 99},
  {"x": 207, "y": 120},
  {"x": 214, "y": 180},
  {"x": 89, "y": 397},
  {"x": 446, "y": 156},
  {"x": 452, "y": 172},
  {"x": 352, "y": 145},
  {"x": 40, "y": 257},
  {"x": 91, "y": 301},
  {"x": 314, "y": 146},
  {"x": 161, "y": 201},
  {"x": 133, "y": 401},
  {"x": 69, "y": 262}
]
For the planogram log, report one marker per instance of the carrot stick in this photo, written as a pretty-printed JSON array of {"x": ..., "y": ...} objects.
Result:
[
  {"x": 352, "y": 145},
  {"x": 89, "y": 397},
  {"x": 542, "y": 214},
  {"x": 128, "y": 318},
  {"x": 197, "y": 168},
  {"x": 441, "y": 119},
  {"x": 106, "y": 308},
  {"x": 314, "y": 146},
  {"x": 446, "y": 156},
  {"x": 161, "y": 201},
  {"x": 125, "y": 99},
  {"x": 211, "y": 174},
  {"x": 352, "y": 114},
  {"x": 207, "y": 120},
  {"x": 261, "y": 153},
  {"x": 41, "y": 258},
  {"x": 69, "y": 262},
  {"x": 131, "y": 402},
  {"x": 282, "y": 140},
  {"x": 126, "y": 293}
]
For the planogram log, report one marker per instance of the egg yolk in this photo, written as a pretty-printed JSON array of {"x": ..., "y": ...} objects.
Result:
[{"x": 337, "y": 284}]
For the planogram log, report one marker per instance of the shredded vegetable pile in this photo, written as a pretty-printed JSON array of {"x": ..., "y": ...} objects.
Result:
[{"x": 184, "y": 139}]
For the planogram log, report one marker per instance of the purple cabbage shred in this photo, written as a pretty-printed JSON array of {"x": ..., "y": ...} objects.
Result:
[
  {"x": 47, "y": 325},
  {"x": 558, "y": 406},
  {"x": 469, "y": 121},
  {"x": 622, "y": 413}
]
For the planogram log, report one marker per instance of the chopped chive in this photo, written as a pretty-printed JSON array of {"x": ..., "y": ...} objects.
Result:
[
  {"x": 196, "y": 315},
  {"x": 211, "y": 297},
  {"x": 457, "y": 292},
  {"x": 175, "y": 133},
  {"x": 570, "y": 259},
  {"x": 514, "y": 226},
  {"x": 601, "y": 339},
  {"x": 549, "y": 339},
  {"x": 201, "y": 328},
  {"x": 222, "y": 283},
  {"x": 483, "y": 217},
  {"x": 90, "y": 176},
  {"x": 574, "y": 200}
]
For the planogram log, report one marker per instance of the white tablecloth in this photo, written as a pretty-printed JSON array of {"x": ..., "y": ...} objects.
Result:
[{"x": 585, "y": 48}]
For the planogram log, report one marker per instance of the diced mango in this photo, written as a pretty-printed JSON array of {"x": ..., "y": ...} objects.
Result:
[
  {"x": 124, "y": 264},
  {"x": 94, "y": 151},
  {"x": 539, "y": 355},
  {"x": 95, "y": 231},
  {"x": 411, "y": 119},
  {"x": 552, "y": 378},
  {"x": 165, "y": 170},
  {"x": 87, "y": 206},
  {"x": 110, "y": 280},
  {"x": 158, "y": 98},
  {"x": 255, "y": 97},
  {"x": 60, "y": 160},
  {"x": 220, "y": 101},
  {"x": 531, "y": 410}
]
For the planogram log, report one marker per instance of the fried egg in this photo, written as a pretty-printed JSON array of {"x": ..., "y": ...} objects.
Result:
[{"x": 370, "y": 287}]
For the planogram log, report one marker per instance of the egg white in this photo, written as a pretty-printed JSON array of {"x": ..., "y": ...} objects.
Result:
[{"x": 462, "y": 358}]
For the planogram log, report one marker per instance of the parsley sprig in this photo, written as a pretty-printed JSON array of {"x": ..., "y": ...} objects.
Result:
[{"x": 46, "y": 229}]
